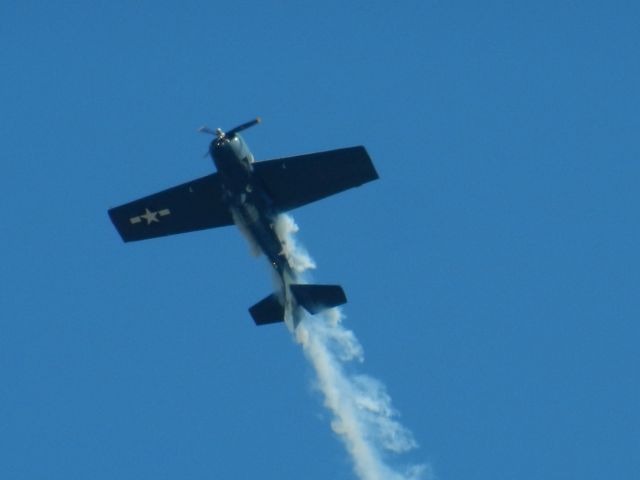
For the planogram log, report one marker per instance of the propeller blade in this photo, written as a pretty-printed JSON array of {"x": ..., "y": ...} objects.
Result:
[
  {"x": 244, "y": 126},
  {"x": 205, "y": 129}
]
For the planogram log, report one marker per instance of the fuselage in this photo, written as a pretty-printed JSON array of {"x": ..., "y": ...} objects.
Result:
[{"x": 248, "y": 200}]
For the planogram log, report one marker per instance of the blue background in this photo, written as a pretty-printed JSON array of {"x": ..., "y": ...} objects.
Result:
[{"x": 492, "y": 272}]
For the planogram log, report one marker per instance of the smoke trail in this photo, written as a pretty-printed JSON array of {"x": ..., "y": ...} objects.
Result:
[
  {"x": 297, "y": 256},
  {"x": 363, "y": 416}
]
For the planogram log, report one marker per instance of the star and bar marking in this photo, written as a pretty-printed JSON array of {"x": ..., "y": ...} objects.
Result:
[{"x": 150, "y": 217}]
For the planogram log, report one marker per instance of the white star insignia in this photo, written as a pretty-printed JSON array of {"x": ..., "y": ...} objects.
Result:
[{"x": 150, "y": 216}]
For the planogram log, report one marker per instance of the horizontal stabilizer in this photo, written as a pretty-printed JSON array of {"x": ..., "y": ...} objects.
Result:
[
  {"x": 268, "y": 310},
  {"x": 315, "y": 298}
]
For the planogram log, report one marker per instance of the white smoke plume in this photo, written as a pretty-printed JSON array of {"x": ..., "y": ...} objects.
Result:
[
  {"x": 363, "y": 416},
  {"x": 299, "y": 259}
]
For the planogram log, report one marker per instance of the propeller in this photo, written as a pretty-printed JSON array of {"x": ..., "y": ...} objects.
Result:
[{"x": 220, "y": 134}]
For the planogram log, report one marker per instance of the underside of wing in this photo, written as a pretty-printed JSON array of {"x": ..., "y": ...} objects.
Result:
[
  {"x": 194, "y": 205},
  {"x": 295, "y": 181}
]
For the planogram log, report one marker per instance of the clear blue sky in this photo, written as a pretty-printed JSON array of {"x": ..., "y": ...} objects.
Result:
[{"x": 492, "y": 271}]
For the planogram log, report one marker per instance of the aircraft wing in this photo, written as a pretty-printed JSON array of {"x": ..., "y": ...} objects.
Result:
[
  {"x": 295, "y": 181},
  {"x": 194, "y": 205}
]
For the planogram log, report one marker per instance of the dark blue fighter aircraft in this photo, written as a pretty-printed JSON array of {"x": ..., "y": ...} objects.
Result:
[{"x": 251, "y": 194}]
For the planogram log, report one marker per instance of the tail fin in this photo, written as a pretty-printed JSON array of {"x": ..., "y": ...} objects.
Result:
[
  {"x": 268, "y": 310},
  {"x": 315, "y": 298}
]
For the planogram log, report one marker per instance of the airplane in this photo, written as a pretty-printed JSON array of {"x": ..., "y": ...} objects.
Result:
[{"x": 251, "y": 195}]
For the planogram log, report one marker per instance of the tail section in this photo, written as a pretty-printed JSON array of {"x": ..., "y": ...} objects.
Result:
[{"x": 313, "y": 298}]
